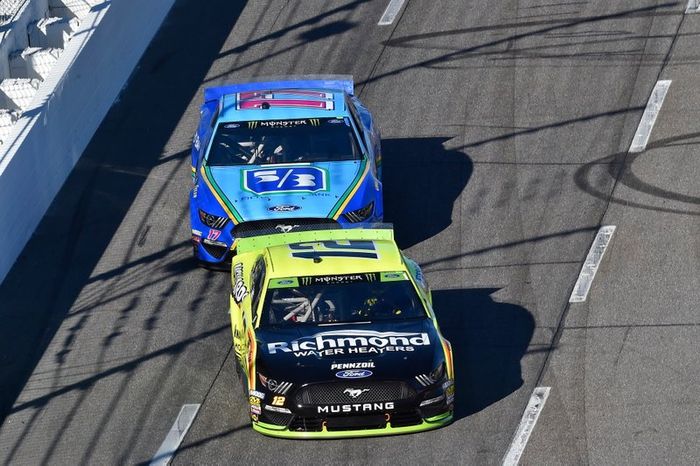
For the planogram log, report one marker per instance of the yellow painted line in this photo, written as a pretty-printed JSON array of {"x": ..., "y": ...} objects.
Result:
[
  {"x": 352, "y": 193},
  {"x": 216, "y": 195}
]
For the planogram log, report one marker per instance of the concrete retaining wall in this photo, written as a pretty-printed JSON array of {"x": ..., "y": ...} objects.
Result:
[{"x": 56, "y": 126}]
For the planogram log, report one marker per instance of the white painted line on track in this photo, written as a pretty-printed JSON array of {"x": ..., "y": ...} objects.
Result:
[
  {"x": 641, "y": 137},
  {"x": 590, "y": 266},
  {"x": 693, "y": 7},
  {"x": 177, "y": 432},
  {"x": 526, "y": 426},
  {"x": 392, "y": 9}
]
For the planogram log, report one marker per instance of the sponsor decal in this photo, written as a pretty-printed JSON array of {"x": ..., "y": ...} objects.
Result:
[
  {"x": 335, "y": 121},
  {"x": 195, "y": 141},
  {"x": 449, "y": 387},
  {"x": 254, "y": 417},
  {"x": 232, "y": 125},
  {"x": 350, "y": 342},
  {"x": 355, "y": 249},
  {"x": 257, "y": 394},
  {"x": 352, "y": 365},
  {"x": 197, "y": 232},
  {"x": 354, "y": 374},
  {"x": 338, "y": 279},
  {"x": 303, "y": 179},
  {"x": 213, "y": 234},
  {"x": 239, "y": 289},
  {"x": 355, "y": 408},
  {"x": 285, "y": 228},
  {"x": 255, "y": 409},
  {"x": 283, "y": 123},
  {"x": 277, "y": 410},
  {"x": 196, "y": 239},
  {"x": 214, "y": 243},
  {"x": 355, "y": 392},
  {"x": 254, "y": 400},
  {"x": 432, "y": 400},
  {"x": 283, "y": 208}
]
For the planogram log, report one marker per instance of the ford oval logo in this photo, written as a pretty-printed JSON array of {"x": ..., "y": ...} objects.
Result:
[
  {"x": 353, "y": 374},
  {"x": 283, "y": 208}
]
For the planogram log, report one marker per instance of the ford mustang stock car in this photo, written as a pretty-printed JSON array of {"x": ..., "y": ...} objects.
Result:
[
  {"x": 335, "y": 336},
  {"x": 280, "y": 154}
]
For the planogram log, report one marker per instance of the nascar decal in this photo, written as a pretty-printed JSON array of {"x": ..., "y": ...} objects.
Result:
[
  {"x": 351, "y": 342},
  {"x": 290, "y": 179}
]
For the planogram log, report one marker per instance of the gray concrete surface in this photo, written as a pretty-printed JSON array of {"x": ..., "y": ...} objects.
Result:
[{"x": 505, "y": 127}]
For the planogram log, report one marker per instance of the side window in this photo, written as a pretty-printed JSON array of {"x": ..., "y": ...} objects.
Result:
[
  {"x": 215, "y": 116},
  {"x": 358, "y": 124},
  {"x": 257, "y": 278}
]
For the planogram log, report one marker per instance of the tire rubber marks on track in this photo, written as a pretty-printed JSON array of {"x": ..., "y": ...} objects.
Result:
[
  {"x": 392, "y": 10},
  {"x": 590, "y": 266},
  {"x": 641, "y": 137},
  {"x": 177, "y": 432},
  {"x": 526, "y": 426}
]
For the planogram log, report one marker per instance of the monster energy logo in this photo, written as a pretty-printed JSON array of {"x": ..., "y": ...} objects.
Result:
[{"x": 338, "y": 279}]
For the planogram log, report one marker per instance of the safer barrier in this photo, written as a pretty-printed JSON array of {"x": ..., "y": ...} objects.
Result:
[{"x": 65, "y": 107}]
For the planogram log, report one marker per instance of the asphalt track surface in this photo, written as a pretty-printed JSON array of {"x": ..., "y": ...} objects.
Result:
[{"x": 505, "y": 132}]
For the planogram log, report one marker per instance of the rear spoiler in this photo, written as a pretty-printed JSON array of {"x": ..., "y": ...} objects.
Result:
[
  {"x": 340, "y": 82},
  {"x": 380, "y": 231}
]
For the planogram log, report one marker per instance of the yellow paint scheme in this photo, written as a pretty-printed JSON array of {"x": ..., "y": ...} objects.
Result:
[{"x": 275, "y": 251}]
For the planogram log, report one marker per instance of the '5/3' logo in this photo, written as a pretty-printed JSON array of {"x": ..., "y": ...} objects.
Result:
[{"x": 304, "y": 179}]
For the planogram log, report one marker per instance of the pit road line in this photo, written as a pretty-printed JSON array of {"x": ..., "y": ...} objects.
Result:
[
  {"x": 389, "y": 15},
  {"x": 656, "y": 100},
  {"x": 526, "y": 426},
  {"x": 177, "y": 432},
  {"x": 591, "y": 264}
]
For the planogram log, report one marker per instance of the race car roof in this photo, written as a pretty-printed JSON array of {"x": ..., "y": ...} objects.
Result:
[
  {"x": 288, "y": 261},
  {"x": 282, "y": 104}
]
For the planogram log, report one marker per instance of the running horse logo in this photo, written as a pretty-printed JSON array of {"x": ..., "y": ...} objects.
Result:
[{"x": 355, "y": 392}]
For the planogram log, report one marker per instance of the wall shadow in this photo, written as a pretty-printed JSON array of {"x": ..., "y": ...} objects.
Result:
[
  {"x": 420, "y": 176},
  {"x": 58, "y": 260},
  {"x": 488, "y": 340}
]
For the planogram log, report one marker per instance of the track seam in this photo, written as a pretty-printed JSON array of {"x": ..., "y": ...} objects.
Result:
[
  {"x": 397, "y": 21},
  {"x": 565, "y": 312},
  {"x": 204, "y": 399}
]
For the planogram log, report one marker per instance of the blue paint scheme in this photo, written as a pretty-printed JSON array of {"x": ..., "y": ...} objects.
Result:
[{"x": 316, "y": 200}]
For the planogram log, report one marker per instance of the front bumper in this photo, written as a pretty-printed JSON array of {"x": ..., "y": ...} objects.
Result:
[{"x": 430, "y": 423}]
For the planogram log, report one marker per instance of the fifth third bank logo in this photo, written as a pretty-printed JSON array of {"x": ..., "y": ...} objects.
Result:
[{"x": 307, "y": 179}]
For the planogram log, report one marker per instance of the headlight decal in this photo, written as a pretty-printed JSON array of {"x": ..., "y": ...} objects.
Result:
[
  {"x": 361, "y": 214},
  {"x": 212, "y": 221}
]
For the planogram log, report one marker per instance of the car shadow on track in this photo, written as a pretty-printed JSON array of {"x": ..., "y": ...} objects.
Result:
[
  {"x": 421, "y": 181},
  {"x": 488, "y": 340}
]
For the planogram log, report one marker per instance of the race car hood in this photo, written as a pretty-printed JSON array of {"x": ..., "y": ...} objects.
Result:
[
  {"x": 307, "y": 354},
  {"x": 286, "y": 191}
]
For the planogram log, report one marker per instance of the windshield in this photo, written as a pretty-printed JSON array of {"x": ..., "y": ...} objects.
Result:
[
  {"x": 283, "y": 141},
  {"x": 340, "y": 298}
]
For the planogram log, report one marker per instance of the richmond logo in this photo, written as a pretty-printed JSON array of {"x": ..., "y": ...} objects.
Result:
[{"x": 351, "y": 342}]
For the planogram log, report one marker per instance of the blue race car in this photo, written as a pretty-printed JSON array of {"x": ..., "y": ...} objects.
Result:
[{"x": 277, "y": 155}]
